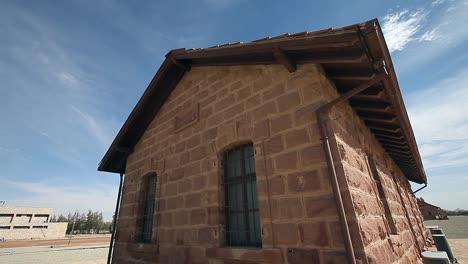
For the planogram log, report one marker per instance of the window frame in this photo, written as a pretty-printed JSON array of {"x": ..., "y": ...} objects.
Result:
[
  {"x": 145, "y": 234},
  {"x": 243, "y": 179}
]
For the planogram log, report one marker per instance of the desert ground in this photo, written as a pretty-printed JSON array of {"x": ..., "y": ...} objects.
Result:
[
  {"x": 94, "y": 249},
  {"x": 80, "y": 250}
]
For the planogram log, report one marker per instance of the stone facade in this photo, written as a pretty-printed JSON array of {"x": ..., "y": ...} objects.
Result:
[
  {"x": 431, "y": 212},
  {"x": 29, "y": 223},
  {"x": 213, "y": 109},
  {"x": 365, "y": 208}
]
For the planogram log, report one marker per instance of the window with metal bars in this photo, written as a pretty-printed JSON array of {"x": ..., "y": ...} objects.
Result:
[
  {"x": 148, "y": 208},
  {"x": 242, "y": 223}
]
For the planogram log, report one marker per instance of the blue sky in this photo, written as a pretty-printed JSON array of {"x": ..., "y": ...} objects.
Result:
[{"x": 71, "y": 72}]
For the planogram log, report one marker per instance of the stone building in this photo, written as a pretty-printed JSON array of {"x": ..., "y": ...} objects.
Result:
[
  {"x": 29, "y": 223},
  {"x": 430, "y": 211},
  {"x": 288, "y": 149}
]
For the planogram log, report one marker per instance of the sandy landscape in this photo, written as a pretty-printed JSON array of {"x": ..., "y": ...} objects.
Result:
[{"x": 80, "y": 250}]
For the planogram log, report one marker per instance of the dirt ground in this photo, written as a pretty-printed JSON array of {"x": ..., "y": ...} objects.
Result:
[
  {"x": 93, "y": 250},
  {"x": 79, "y": 250},
  {"x": 460, "y": 249},
  {"x": 75, "y": 241},
  {"x": 89, "y": 254}
]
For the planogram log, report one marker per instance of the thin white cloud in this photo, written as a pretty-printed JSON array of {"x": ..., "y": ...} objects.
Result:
[
  {"x": 63, "y": 199},
  {"x": 439, "y": 119},
  {"x": 437, "y": 2},
  {"x": 432, "y": 37},
  {"x": 93, "y": 126},
  {"x": 68, "y": 79},
  {"x": 400, "y": 28}
]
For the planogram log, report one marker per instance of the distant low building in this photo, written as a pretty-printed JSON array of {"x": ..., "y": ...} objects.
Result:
[
  {"x": 431, "y": 212},
  {"x": 28, "y": 223}
]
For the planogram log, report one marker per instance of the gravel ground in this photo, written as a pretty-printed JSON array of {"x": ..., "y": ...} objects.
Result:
[{"x": 90, "y": 254}]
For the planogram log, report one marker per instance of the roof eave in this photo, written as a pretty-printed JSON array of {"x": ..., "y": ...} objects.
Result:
[
  {"x": 177, "y": 63},
  {"x": 398, "y": 99}
]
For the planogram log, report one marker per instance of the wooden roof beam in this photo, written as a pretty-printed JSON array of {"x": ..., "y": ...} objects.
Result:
[
  {"x": 351, "y": 77},
  {"x": 182, "y": 64},
  {"x": 370, "y": 106},
  {"x": 331, "y": 58},
  {"x": 377, "y": 117},
  {"x": 394, "y": 146},
  {"x": 391, "y": 130},
  {"x": 403, "y": 154},
  {"x": 372, "y": 109},
  {"x": 406, "y": 154},
  {"x": 393, "y": 143},
  {"x": 405, "y": 161},
  {"x": 282, "y": 58},
  {"x": 409, "y": 167},
  {"x": 380, "y": 120},
  {"x": 388, "y": 137},
  {"x": 370, "y": 97}
]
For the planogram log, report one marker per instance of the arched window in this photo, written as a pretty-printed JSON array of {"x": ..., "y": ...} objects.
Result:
[
  {"x": 149, "y": 194},
  {"x": 242, "y": 225}
]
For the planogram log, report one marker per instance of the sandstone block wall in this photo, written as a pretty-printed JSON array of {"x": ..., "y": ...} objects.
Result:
[
  {"x": 365, "y": 208},
  {"x": 215, "y": 108},
  {"x": 265, "y": 105}
]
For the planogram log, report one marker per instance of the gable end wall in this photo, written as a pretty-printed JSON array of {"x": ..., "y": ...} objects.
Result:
[{"x": 275, "y": 110}]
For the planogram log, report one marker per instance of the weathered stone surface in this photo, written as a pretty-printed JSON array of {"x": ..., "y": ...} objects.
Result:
[
  {"x": 277, "y": 185},
  {"x": 280, "y": 123},
  {"x": 296, "y": 138},
  {"x": 287, "y": 208},
  {"x": 288, "y": 101},
  {"x": 274, "y": 145},
  {"x": 302, "y": 255},
  {"x": 198, "y": 216},
  {"x": 286, "y": 234},
  {"x": 286, "y": 161},
  {"x": 275, "y": 110},
  {"x": 320, "y": 207},
  {"x": 314, "y": 233},
  {"x": 312, "y": 155},
  {"x": 306, "y": 181}
]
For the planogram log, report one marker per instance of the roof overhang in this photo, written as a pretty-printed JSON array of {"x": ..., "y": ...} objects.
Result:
[{"x": 350, "y": 56}]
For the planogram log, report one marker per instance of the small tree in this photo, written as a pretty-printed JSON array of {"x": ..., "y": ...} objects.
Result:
[{"x": 61, "y": 218}]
